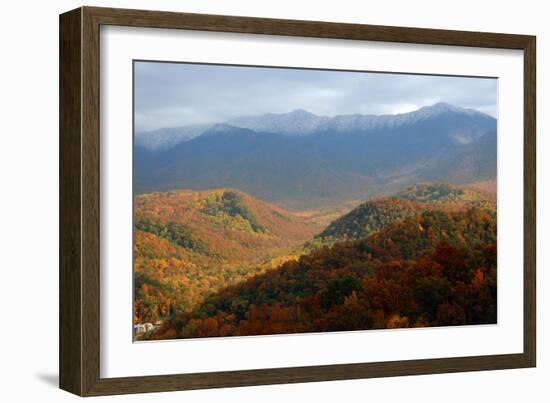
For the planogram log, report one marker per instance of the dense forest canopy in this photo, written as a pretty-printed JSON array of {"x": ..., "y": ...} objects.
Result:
[
  {"x": 220, "y": 263},
  {"x": 433, "y": 269}
]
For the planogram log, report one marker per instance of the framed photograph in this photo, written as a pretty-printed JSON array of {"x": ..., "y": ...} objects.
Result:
[{"x": 248, "y": 201}]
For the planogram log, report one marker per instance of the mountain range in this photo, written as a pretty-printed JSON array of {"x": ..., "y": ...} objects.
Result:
[{"x": 299, "y": 159}]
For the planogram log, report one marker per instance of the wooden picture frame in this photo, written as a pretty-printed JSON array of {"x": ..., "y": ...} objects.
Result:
[{"x": 79, "y": 346}]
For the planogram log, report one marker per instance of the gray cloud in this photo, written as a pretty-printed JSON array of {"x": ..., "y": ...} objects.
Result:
[{"x": 177, "y": 94}]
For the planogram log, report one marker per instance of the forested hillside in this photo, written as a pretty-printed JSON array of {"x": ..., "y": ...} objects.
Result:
[
  {"x": 221, "y": 262},
  {"x": 190, "y": 244},
  {"x": 433, "y": 269},
  {"x": 375, "y": 214}
]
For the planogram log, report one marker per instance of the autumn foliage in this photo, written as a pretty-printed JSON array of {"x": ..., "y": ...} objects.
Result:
[
  {"x": 433, "y": 268},
  {"x": 188, "y": 245}
]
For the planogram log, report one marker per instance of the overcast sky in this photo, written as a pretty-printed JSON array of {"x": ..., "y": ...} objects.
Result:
[{"x": 178, "y": 94}]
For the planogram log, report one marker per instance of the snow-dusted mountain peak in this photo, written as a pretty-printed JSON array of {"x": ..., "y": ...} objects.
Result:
[
  {"x": 300, "y": 122},
  {"x": 444, "y": 107}
]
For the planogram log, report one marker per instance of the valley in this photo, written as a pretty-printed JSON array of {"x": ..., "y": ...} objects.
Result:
[{"x": 221, "y": 262}]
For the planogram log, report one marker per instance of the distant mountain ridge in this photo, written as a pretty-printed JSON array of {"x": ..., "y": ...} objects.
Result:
[
  {"x": 165, "y": 138},
  {"x": 349, "y": 161},
  {"x": 301, "y": 122}
]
